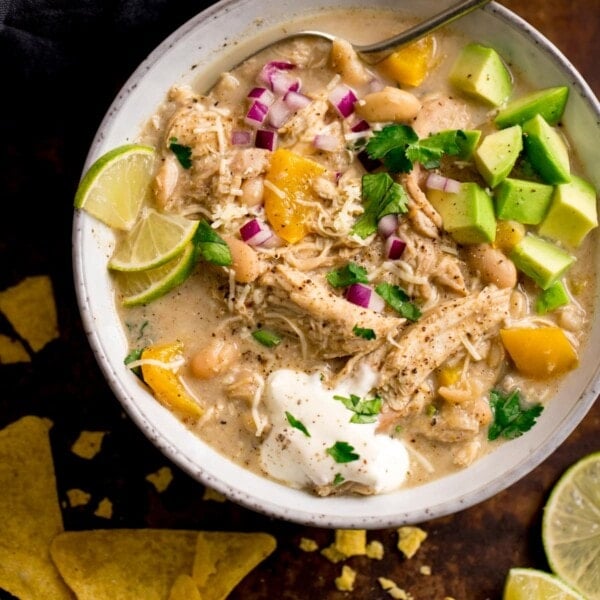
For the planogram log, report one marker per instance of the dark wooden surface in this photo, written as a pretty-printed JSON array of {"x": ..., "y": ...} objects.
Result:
[{"x": 47, "y": 125}]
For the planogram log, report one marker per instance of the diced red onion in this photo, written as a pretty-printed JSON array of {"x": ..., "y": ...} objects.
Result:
[
  {"x": 241, "y": 137},
  {"x": 296, "y": 100},
  {"x": 326, "y": 142},
  {"x": 256, "y": 114},
  {"x": 343, "y": 98},
  {"x": 387, "y": 225},
  {"x": 263, "y": 94},
  {"x": 271, "y": 67},
  {"x": 265, "y": 138},
  {"x": 279, "y": 113},
  {"x": 435, "y": 181},
  {"x": 360, "y": 125},
  {"x": 255, "y": 232},
  {"x": 365, "y": 296},
  {"x": 394, "y": 247},
  {"x": 283, "y": 82}
]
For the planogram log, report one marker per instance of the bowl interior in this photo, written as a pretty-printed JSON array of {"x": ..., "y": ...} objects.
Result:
[{"x": 210, "y": 43}]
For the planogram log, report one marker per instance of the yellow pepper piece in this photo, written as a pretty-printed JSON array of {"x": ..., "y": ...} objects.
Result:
[
  {"x": 288, "y": 186},
  {"x": 410, "y": 65},
  {"x": 165, "y": 383},
  {"x": 508, "y": 235},
  {"x": 448, "y": 376},
  {"x": 541, "y": 352}
]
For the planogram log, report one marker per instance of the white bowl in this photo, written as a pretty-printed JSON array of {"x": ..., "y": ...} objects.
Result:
[{"x": 209, "y": 43}]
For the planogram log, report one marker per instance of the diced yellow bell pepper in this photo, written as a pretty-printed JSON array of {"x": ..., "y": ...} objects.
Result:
[
  {"x": 165, "y": 383},
  {"x": 508, "y": 235},
  {"x": 540, "y": 352},
  {"x": 448, "y": 375},
  {"x": 410, "y": 65},
  {"x": 288, "y": 186}
]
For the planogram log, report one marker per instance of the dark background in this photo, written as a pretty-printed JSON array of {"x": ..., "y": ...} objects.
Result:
[{"x": 61, "y": 64}]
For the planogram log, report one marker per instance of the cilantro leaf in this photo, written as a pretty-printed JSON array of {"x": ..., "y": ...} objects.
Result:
[
  {"x": 381, "y": 196},
  {"x": 211, "y": 246},
  {"x": 342, "y": 452},
  {"x": 398, "y": 299},
  {"x": 364, "y": 332},
  {"x": 134, "y": 355},
  {"x": 365, "y": 411},
  {"x": 511, "y": 420},
  {"x": 399, "y": 147},
  {"x": 266, "y": 337},
  {"x": 296, "y": 424},
  {"x": 338, "y": 479},
  {"x": 347, "y": 275},
  {"x": 183, "y": 153}
]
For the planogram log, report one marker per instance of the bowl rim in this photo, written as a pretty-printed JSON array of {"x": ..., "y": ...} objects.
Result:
[{"x": 264, "y": 504}]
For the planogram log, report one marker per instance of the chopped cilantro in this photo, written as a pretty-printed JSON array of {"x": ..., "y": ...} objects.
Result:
[
  {"x": 399, "y": 147},
  {"x": 398, "y": 299},
  {"x": 347, "y": 275},
  {"x": 134, "y": 355},
  {"x": 266, "y": 337},
  {"x": 183, "y": 153},
  {"x": 338, "y": 479},
  {"x": 296, "y": 424},
  {"x": 510, "y": 418},
  {"x": 210, "y": 246},
  {"x": 381, "y": 196},
  {"x": 364, "y": 332},
  {"x": 342, "y": 452},
  {"x": 365, "y": 411}
]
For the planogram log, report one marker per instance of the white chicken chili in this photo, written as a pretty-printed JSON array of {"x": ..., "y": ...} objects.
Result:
[{"x": 391, "y": 261}]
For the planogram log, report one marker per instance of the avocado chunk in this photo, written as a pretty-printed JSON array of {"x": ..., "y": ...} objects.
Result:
[
  {"x": 480, "y": 73},
  {"x": 549, "y": 103},
  {"x": 572, "y": 214},
  {"x": 552, "y": 298},
  {"x": 468, "y": 215},
  {"x": 541, "y": 260},
  {"x": 546, "y": 151},
  {"x": 523, "y": 201},
  {"x": 497, "y": 154}
]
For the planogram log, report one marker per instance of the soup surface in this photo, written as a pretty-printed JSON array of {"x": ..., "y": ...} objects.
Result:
[{"x": 363, "y": 337}]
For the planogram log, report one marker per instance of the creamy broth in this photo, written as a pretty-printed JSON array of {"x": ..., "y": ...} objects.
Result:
[{"x": 438, "y": 415}]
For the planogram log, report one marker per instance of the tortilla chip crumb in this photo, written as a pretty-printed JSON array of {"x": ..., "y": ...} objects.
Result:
[
  {"x": 31, "y": 310},
  {"x": 78, "y": 497},
  {"x": 210, "y": 494},
  {"x": 393, "y": 590},
  {"x": 308, "y": 545},
  {"x": 410, "y": 539},
  {"x": 345, "y": 582},
  {"x": 375, "y": 550},
  {"x": 161, "y": 479},
  {"x": 351, "y": 542},
  {"x": 332, "y": 554},
  {"x": 12, "y": 351},
  {"x": 105, "y": 509},
  {"x": 425, "y": 570},
  {"x": 88, "y": 444}
]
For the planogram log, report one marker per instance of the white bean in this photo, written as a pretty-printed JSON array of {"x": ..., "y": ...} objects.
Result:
[
  {"x": 246, "y": 263},
  {"x": 252, "y": 191},
  {"x": 389, "y": 104},
  {"x": 214, "y": 358},
  {"x": 492, "y": 265},
  {"x": 345, "y": 61}
]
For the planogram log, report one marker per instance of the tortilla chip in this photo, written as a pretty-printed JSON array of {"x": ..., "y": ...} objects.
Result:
[
  {"x": 105, "y": 509},
  {"x": 78, "y": 497},
  {"x": 410, "y": 539},
  {"x": 88, "y": 444},
  {"x": 161, "y": 479},
  {"x": 12, "y": 351},
  {"x": 223, "y": 559},
  {"x": 351, "y": 542},
  {"x": 31, "y": 310},
  {"x": 184, "y": 588},
  {"x": 121, "y": 564},
  {"x": 210, "y": 494},
  {"x": 30, "y": 511}
]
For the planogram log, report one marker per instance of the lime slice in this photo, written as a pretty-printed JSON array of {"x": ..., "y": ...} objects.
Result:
[
  {"x": 571, "y": 526},
  {"x": 114, "y": 188},
  {"x": 531, "y": 584},
  {"x": 142, "y": 287},
  {"x": 154, "y": 240}
]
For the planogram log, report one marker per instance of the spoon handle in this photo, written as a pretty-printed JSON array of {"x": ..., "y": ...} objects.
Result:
[{"x": 414, "y": 33}]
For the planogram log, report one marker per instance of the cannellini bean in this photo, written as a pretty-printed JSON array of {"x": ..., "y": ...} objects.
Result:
[
  {"x": 518, "y": 305},
  {"x": 492, "y": 264},
  {"x": 389, "y": 104},
  {"x": 166, "y": 181},
  {"x": 246, "y": 263},
  {"x": 345, "y": 61},
  {"x": 214, "y": 358},
  {"x": 252, "y": 191}
]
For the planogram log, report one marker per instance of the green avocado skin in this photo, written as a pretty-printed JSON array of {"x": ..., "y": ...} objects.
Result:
[{"x": 549, "y": 103}]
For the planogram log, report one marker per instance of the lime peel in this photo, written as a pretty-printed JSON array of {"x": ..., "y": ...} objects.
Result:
[{"x": 533, "y": 584}]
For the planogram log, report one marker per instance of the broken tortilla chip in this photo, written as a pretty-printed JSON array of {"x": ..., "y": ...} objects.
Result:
[
  {"x": 224, "y": 558},
  {"x": 161, "y": 479},
  {"x": 88, "y": 444},
  {"x": 30, "y": 510},
  {"x": 184, "y": 588},
  {"x": 78, "y": 497},
  {"x": 12, "y": 351},
  {"x": 104, "y": 509},
  {"x": 121, "y": 564},
  {"x": 31, "y": 310}
]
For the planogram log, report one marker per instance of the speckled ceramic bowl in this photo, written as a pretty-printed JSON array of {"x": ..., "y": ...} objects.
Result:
[{"x": 209, "y": 43}]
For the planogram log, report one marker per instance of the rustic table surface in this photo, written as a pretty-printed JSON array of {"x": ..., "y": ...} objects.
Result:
[{"x": 48, "y": 121}]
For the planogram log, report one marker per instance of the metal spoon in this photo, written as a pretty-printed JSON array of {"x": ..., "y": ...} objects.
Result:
[{"x": 372, "y": 53}]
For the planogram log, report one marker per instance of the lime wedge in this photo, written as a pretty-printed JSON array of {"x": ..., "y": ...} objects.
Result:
[
  {"x": 531, "y": 584},
  {"x": 154, "y": 240},
  {"x": 114, "y": 188},
  {"x": 571, "y": 526},
  {"x": 142, "y": 287}
]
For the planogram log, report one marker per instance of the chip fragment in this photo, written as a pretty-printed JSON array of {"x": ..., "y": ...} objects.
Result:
[
  {"x": 184, "y": 588},
  {"x": 345, "y": 582},
  {"x": 88, "y": 444},
  {"x": 77, "y": 497},
  {"x": 410, "y": 540},
  {"x": 12, "y": 351},
  {"x": 160, "y": 479},
  {"x": 104, "y": 509}
]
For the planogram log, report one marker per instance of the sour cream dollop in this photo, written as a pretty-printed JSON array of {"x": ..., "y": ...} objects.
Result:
[{"x": 291, "y": 456}]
